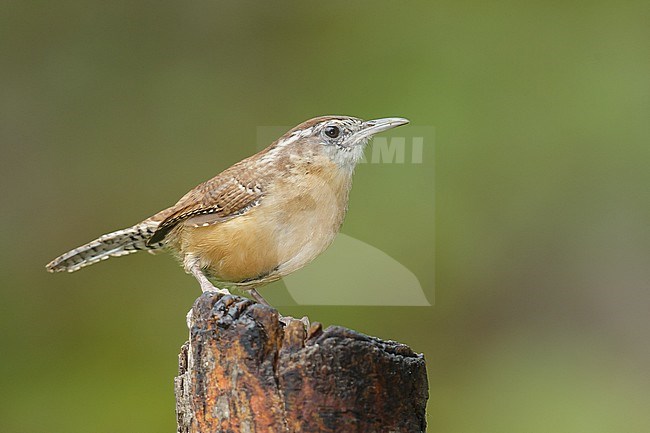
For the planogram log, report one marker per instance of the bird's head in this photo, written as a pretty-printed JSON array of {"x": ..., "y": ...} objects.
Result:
[{"x": 341, "y": 138}]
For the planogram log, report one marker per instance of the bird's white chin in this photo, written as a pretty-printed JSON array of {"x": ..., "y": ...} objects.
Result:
[{"x": 348, "y": 156}]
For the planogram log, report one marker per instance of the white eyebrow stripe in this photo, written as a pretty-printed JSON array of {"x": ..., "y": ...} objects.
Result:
[
  {"x": 287, "y": 141},
  {"x": 304, "y": 133}
]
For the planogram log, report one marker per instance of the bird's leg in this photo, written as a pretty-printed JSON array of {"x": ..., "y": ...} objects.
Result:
[
  {"x": 192, "y": 266},
  {"x": 256, "y": 295}
]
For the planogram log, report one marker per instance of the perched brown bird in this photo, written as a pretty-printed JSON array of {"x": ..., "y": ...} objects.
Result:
[{"x": 260, "y": 219}]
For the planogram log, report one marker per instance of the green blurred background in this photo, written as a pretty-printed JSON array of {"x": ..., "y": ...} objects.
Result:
[{"x": 110, "y": 111}]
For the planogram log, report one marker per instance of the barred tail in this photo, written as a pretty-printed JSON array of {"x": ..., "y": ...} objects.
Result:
[{"x": 119, "y": 243}]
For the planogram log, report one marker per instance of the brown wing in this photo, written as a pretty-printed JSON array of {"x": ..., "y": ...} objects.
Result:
[{"x": 219, "y": 199}]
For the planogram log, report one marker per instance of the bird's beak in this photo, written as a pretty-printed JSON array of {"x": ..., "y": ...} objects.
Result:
[{"x": 372, "y": 127}]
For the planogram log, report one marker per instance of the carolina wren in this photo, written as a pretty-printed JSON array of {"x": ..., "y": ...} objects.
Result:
[{"x": 260, "y": 219}]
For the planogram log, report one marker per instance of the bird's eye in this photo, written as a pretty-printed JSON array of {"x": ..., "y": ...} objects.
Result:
[{"x": 332, "y": 131}]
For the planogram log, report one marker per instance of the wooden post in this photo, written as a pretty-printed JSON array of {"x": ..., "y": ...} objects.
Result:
[{"x": 246, "y": 369}]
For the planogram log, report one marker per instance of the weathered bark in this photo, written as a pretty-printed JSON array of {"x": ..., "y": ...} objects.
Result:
[{"x": 245, "y": 370}]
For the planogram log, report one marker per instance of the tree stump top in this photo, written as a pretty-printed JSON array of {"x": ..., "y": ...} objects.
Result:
[{"x": 246, "y": 369}]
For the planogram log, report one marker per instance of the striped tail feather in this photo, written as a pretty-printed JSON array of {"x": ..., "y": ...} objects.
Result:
[{"x": 118, "y": 243}]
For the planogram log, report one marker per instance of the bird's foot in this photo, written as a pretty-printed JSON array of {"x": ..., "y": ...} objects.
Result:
[{"x": 209, "y": 287}]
